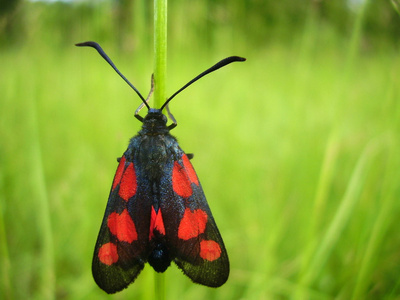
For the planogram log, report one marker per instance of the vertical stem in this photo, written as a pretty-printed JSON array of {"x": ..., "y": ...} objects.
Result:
[
  {"x": 159, "y": 281},
  {"x": 354, "y": 44},
  {"x": 160, "y": 74},
  {"x": 6, "y": 291},
  {"x": 160, "y": 51},
  {"x": 39, "y": 192}
]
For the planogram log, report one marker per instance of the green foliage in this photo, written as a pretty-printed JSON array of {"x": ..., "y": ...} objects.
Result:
[
  {"x": 7, "y": 6},
  {"x": 297, "y": 150},
  {"x": 130, "y": 23}
]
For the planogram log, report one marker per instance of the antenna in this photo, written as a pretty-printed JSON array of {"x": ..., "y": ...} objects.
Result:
[
  {"x": 215, "y": 67},
  {"x": 105, "y": 56}
]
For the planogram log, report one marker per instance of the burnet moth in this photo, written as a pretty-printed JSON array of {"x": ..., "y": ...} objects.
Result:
[{"x": 157, "y": 211}]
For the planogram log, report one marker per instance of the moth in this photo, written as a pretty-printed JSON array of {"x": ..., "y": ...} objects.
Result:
[{"x": 157, "y": 211}]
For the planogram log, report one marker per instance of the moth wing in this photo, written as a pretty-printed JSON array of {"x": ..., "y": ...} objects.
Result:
[
  {"x": 191, "y": 232},
  {"x": 122, "y": 245}
]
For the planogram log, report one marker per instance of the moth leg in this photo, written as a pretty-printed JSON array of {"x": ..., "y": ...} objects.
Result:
[
  {"x": 140, "y": 118},
  {"x": 190, "y": 155},
  {"x": 171, "y": 116}
]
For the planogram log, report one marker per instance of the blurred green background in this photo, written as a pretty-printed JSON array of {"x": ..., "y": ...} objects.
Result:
[{"x": 297, "y": 149}]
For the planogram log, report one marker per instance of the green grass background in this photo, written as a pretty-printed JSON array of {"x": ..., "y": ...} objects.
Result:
[{"x": 297, "y": 150}]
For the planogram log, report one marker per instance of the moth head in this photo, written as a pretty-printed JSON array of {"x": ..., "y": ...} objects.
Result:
[{"x": 155, "y": 115}]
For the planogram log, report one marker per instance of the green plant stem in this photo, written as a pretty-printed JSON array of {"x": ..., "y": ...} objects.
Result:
[
  {"x": 159, "y": 281},
  {"x": 47, "y": 273},
  {"x": 6, "y": 291},
  {"x": 160, "y": 51},
  {"x": 355, "y": 39},
  {"x": 160, "y": 74}
]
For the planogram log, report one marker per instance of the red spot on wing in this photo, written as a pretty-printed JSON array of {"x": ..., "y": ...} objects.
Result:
[
  {"x": 189, "y": 169},
  {"x": 209, "y": 250},
  {"x": 192, "y": 224},
  {"x": 128, "y": 186},
  {"x": 181, "y": 181},
  {"x": 122, "y": 226},
  {"x": 118, "y": 174},
  {"x": 108, "y": 254},
  {"x": 156, "y": 223}
]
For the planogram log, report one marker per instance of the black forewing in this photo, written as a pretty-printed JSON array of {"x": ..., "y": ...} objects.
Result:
[
  {"x": 131, "y": 256},
  {"x": 186, "y": 253}
]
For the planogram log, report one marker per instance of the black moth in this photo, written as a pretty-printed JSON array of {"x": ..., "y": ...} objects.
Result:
[{"x": 157, "y": 211}]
